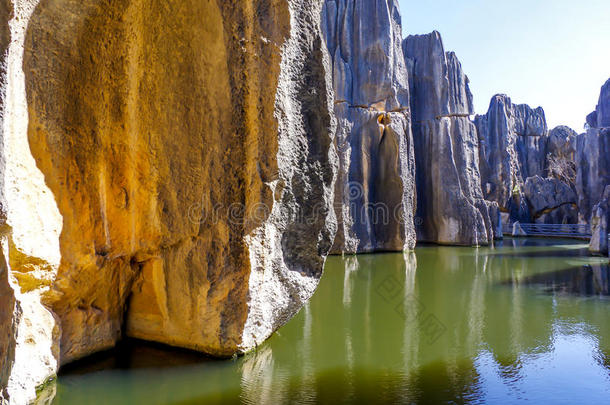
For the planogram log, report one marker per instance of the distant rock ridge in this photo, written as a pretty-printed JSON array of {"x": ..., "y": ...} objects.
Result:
[{"x": 513, "y": 147}]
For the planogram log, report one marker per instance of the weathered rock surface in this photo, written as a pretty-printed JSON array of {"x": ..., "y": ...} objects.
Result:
[
  {"x": 592, "y": 169},
  {"x": 561, "y": 155},
  {"x": 600, "y": 225},
  {"x": 593, "y": 157},
  {"x": 168, "y": 176},
  {"x": 551, "y": 201},
  {"x": 600, "y": 118},
  {"x": 450, "y": 202},
  {"x": 495, "y": 216},
  {"x": 512, "y": 147},
  {"x": 374, "y": 197},
  {"x": 561, "y": 142}
]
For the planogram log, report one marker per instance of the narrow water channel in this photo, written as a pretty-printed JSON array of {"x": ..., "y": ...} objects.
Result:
[{"x": 527, "y": 321}]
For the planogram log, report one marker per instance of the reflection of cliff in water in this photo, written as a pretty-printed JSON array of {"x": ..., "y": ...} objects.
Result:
[
  {"x": 443, "y": 324},
  {"x": 588, "y": 280}
]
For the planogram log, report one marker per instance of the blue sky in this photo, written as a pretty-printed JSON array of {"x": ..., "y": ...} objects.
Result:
[{"x": 549, "y": 53}]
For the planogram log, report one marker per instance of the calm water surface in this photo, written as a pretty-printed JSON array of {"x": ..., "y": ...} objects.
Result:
[{"x": 527, "y": 322}]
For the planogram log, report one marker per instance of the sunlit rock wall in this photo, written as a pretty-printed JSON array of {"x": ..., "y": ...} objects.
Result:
[
  {"x": 167, "y": 173},
  {"x": 374, "y": 197},
  {"x": 450, "y": 201}
]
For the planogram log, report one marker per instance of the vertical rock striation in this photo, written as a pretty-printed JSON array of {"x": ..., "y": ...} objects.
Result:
[
  {"x": 600, "y": 118},
  {"x": 600, "y": 224},
  {"x": 449, "y": 196},
  {"x": 374, "y": 197},
  {"x": 593, "y": 157},
  {"x": 512, "y": 147},
  {"x": 168, "y": 176}
]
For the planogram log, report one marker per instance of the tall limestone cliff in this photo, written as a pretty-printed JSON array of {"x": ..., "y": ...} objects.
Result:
[
  {"x": 167, "y": 173},
  {"x": 593, "y": 156},
  {"x": 600, "y": 118},
  {"x": 512, "y": 147},
  {"x": 450, "y": 201},
  {"x": 593, "y": 172},
  {"x": 374, "y": 196}
]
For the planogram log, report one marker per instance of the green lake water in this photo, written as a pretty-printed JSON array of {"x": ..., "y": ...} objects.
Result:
[{"x": 526, "y": 322}]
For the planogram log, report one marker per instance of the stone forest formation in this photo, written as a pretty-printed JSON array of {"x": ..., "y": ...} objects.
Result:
[{"x": 178, "y": 171}]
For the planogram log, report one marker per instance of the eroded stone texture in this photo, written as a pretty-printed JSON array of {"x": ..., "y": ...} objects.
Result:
[
  {"x": 600, "y": 225},
  {"x": 512, "y": 147},
  {"x": 592, "y": 169},
  {"x": 561, "y": 142},
  {"x": 551, "y": 201},
  {"x": 600, "y": 118},
  {"x": 450, "y": 201},
  {"x": 29, "y": 229},
  {"x": 374, "y": 196},
  {"x": 593, "y": 157},
  {"x": 179, "y": 183},
  {"x": 531, "y": 141}
]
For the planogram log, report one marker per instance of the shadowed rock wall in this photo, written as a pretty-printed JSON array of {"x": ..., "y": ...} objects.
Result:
[
  {"x": 374, "y": 197},
  {"x": 450, "y": 200},
  {"x": 512, "y": 147},
  {"x": 593, "y": 156}
]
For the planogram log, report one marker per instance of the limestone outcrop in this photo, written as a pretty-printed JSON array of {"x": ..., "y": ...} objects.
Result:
[
  {"x": 593, "y": 157},
  {"x": 512, "y": 147},
  {"x": 561, "y": 155},
  {"x": 374, "y": 196},
  {"x": 592, "y": 169},
  {"x": 600, "y": 225},
  {"x": 600, "y": 118},
  {"x": 167, "y": 174},
  {"x": 450, "y": 203},
  {"x": 551, "y": 201}
]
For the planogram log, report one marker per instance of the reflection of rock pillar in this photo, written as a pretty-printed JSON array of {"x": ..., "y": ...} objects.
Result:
[
  {"x": 476, "y": 309},
  {"x": 308, "y": 384},
  {"x": 258, "y": 376},
  {"x": 351, "y": 266},
  {"x": 411, "y": 328}
]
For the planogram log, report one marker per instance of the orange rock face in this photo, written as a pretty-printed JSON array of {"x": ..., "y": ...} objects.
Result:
[{"x": 184, "y": 153}]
